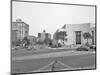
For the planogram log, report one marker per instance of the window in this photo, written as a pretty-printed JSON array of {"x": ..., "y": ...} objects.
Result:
[
  {"x": 26, "y": 32},
  {"x": 78, "y": 37},
  {"x": 93, "y": 37}
]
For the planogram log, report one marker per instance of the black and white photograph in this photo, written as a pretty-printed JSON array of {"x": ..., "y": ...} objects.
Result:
[{"x": 52, "y": 37}]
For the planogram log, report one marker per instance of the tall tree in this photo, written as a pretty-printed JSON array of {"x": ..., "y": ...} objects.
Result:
[
  {"x": 47, "y": 41},
  {"x": 18, "y": 42},
  {"x": 60, "y": 35},
  {"x": 87, "y": 36},
  {"x": 26, "y": 41}
]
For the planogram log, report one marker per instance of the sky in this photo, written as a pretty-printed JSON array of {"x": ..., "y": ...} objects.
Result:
[{"x": 51, "y": 17}]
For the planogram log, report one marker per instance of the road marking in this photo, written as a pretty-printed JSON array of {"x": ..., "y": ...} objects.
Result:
[
  {"x": 66, "y": 67},
  {"x": 50, "y": 64}
]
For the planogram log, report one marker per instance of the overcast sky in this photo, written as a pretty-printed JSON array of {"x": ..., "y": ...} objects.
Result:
[{"x": 50, "y": 17}]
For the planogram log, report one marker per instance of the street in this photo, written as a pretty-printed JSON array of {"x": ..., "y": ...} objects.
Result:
[{"x": 33, "y": 63}]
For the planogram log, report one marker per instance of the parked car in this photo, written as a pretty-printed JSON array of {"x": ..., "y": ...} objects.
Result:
[
  {"x": 83, "y": 48},
  {"x": 92, "y": 47}
]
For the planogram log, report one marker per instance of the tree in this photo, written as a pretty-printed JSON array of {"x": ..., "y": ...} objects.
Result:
[
  {"x": 40, "y": 42},
  {"x": 47, "y": 41},
  {"x": 87, "y": 36},
  {"x": 18, "y": 42},
  {"x": 26, "y": 42},
  {"x": 61, "y": 35}
]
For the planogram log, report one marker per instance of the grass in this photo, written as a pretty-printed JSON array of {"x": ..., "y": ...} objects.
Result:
[{"x": 25, "y": 52}]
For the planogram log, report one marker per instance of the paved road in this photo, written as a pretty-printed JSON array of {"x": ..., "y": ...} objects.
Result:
[{"x": 75, "y": 61}]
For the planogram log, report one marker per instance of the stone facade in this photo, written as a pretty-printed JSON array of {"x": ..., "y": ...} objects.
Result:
[
  {"x": 42, "y": 36},
  {"x": 21, "y": 28},
  {"x": 75, "y": 33}
]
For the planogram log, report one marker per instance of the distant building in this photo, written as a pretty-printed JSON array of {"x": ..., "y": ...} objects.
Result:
[
  {"x": 42, "y": 36},
  {"x": 19, "y": 30},
  {"x": 32, "y": 39},
  {"x": 75, "y": 33}
]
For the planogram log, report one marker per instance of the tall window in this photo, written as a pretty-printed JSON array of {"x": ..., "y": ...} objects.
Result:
[
  {"x": 93, "y": 37},
  {"x": 78, "y": 37}
]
